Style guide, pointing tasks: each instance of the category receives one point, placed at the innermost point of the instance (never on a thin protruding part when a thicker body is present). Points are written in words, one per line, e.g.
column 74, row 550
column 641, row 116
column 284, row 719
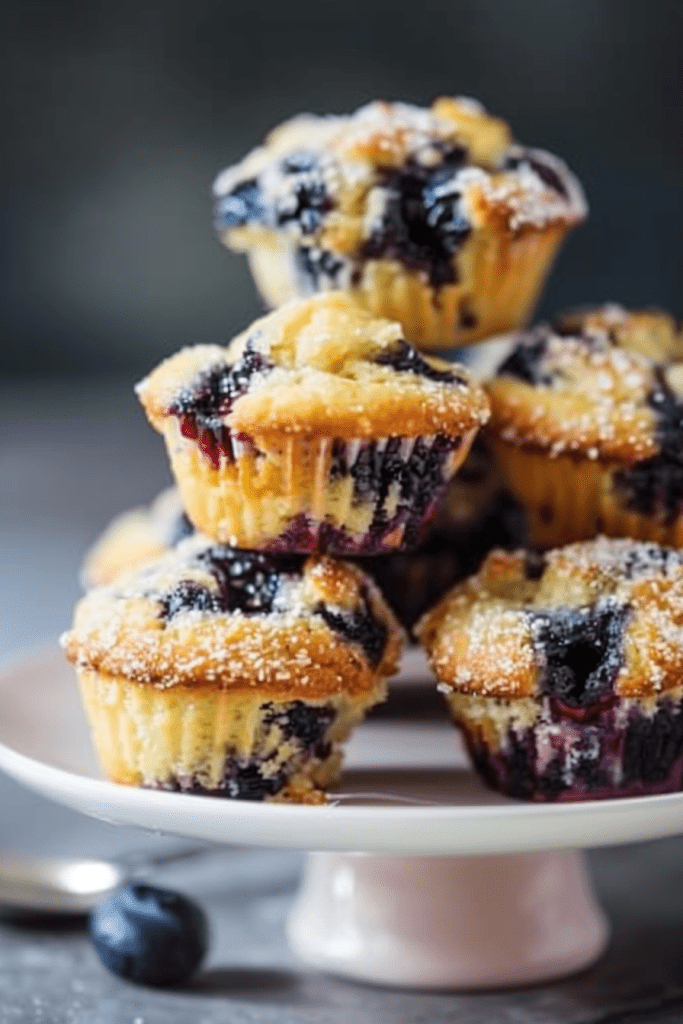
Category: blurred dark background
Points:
column 121, row 112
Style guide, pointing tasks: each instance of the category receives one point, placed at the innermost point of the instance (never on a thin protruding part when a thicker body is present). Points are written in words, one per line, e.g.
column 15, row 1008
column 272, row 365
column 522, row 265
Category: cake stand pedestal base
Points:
column 448, row 922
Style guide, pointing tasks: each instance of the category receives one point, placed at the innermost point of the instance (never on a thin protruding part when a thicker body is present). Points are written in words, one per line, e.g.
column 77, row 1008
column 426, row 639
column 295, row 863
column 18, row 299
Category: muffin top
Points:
column 602, row 383
column 208, row 615
column 582, row 624
column 392, row 181
column 316, row 366
column 136, row 536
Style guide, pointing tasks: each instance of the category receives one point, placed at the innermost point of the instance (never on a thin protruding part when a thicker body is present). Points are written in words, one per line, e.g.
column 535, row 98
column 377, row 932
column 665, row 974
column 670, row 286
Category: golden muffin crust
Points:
column 652, row 332
column 593, row 385
column 208, row 616
column 352, row 151
column 318, row 366
column 385, row 135
column 610, row 609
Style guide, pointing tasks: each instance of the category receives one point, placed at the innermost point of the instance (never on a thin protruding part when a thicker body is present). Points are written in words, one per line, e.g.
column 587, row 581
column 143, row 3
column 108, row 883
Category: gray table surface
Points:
column 72, row 453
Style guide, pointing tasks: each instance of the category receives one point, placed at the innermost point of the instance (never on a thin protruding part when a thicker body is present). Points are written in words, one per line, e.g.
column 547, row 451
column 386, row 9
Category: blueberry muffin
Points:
column 565, row 670
column 433, row 217
column 136, row 536
column 318, row 429
column 231, row 673
column 587, row 423
column 478, row 513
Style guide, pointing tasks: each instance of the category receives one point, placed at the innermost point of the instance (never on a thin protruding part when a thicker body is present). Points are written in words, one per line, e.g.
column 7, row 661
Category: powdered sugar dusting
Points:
column 346, row 159
column 485, row 637
column 241, row 638
column 584, row 393
column 319, row 365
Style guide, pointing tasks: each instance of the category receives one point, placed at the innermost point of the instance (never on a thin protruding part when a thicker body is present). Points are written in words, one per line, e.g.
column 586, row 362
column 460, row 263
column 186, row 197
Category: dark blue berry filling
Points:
column 580, row 650
column 545, row 171
column 424, row 223
column 339, row 467
column 607, row 759
column 526, row 359
column 304, row 534
column 420, row 478
column 525, row 362
column 406, row 359
column 358, row 626
column 653, row 745
column 244, row 205
column 189, row 596
column 202, row 407
column 318, row 266
column 252, row 778
column 247, row 581
column 644, row 559
column 306, row 200
column 212, row 395
column 306, row 723
column 303, row 201
column 654, row 487
column 535, row 564
column 422, row 482
column 375, row 468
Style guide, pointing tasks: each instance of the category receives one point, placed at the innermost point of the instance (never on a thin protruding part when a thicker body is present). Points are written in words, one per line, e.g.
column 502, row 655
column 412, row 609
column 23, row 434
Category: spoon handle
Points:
column 141, row 860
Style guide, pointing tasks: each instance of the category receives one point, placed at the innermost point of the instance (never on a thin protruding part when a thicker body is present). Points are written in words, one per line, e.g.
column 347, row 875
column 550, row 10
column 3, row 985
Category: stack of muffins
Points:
column 223, row 647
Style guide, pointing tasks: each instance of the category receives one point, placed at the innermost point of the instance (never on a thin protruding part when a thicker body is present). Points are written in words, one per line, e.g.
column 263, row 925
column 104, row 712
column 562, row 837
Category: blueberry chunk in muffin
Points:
column 565, row 670
column 477, row 514
column 235, row 673
column 318, row 429
column 433, row 217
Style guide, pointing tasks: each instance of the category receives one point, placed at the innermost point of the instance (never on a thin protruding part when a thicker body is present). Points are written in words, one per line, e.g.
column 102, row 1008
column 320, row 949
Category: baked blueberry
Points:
column 408, row 359
column 526, row 359
column 318, row 267
column 244, row 205
column 477, row 515
column 424, row 222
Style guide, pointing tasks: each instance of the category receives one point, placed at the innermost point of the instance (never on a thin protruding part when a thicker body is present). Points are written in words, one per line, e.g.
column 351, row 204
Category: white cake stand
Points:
column 423, row 878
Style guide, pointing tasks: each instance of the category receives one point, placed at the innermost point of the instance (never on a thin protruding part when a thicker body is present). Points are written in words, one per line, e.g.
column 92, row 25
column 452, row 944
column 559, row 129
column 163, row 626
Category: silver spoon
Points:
column 67, row 886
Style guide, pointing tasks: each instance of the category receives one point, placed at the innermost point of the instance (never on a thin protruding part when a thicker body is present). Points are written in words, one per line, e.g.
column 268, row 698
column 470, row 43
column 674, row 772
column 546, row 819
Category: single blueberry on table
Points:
column 150, row 936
